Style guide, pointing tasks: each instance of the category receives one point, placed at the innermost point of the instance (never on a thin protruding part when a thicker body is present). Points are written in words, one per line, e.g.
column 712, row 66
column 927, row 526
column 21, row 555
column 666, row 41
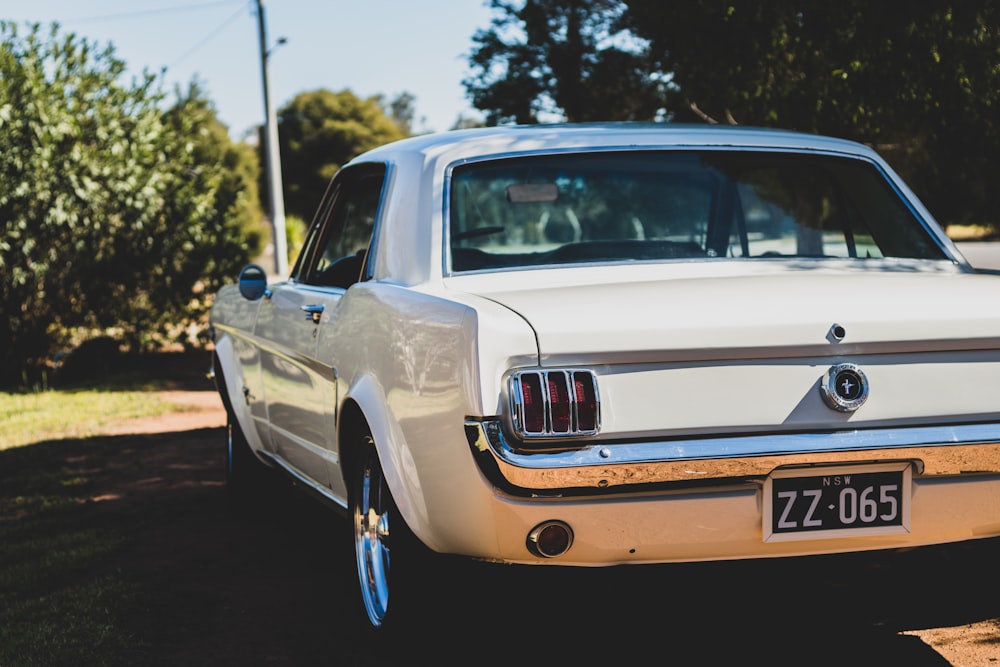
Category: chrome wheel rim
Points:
column 371, row 533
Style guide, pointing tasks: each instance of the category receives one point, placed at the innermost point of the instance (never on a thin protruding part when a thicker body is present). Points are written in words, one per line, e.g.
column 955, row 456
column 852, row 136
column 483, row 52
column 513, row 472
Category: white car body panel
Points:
column 739, row 334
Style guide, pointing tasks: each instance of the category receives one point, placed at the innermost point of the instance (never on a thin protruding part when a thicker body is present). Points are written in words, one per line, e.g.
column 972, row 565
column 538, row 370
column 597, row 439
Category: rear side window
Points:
column 339, row 241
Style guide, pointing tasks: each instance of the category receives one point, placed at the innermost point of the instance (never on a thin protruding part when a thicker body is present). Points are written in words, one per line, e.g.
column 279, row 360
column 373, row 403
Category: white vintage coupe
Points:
column 619, row 343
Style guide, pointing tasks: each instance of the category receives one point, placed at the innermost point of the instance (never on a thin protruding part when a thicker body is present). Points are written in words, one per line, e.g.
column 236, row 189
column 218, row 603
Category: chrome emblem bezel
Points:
column 844, row 387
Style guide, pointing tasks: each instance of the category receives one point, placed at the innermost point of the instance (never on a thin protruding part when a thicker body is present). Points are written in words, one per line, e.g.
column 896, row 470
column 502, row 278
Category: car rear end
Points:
column 775, row 438
column 742, row 352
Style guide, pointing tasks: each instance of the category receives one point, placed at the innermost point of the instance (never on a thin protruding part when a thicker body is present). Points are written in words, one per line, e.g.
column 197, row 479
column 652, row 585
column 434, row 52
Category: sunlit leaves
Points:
column 115, row 206
column 318, row 131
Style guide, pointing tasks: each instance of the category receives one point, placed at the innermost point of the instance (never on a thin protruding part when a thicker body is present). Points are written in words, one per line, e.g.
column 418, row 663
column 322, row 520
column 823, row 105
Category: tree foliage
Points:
column 560, row 57
column 114, row 214
column 402, row 110
column 918, row 81
column 321, row 130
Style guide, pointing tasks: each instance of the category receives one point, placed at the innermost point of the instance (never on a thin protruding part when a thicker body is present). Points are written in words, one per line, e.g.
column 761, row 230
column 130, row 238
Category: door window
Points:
column 344, row 229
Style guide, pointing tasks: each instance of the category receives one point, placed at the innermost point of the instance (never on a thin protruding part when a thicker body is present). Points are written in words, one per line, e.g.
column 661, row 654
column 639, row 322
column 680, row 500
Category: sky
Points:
column 371, row 47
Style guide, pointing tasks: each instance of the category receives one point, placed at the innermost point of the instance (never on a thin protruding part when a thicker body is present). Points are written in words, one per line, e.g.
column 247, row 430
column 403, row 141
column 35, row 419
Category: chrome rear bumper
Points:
column 961, row 449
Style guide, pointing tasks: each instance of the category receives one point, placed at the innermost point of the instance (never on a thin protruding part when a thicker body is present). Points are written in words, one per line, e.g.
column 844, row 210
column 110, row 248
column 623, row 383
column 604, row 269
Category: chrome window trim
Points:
column 374, row 244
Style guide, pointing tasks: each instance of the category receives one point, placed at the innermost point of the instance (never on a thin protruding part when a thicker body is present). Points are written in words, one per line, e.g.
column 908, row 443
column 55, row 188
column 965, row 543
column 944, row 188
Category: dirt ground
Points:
column 274, row 585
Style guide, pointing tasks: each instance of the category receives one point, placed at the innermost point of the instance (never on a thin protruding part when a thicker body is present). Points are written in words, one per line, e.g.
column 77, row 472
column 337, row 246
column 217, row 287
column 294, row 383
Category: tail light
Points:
column 556, row 403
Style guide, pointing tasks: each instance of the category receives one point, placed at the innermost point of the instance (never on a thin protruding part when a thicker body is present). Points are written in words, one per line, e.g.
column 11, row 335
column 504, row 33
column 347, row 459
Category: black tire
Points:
column 394, row 568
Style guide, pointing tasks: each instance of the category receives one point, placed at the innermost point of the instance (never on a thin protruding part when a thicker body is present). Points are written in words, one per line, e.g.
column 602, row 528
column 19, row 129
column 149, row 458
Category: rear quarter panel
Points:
column 413, row 362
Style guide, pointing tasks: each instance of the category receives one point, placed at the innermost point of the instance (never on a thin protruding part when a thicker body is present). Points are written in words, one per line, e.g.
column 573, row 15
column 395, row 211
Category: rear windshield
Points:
column 657, row 205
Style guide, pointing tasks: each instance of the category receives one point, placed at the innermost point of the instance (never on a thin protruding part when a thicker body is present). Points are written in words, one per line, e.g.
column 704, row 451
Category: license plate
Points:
column 837, row 501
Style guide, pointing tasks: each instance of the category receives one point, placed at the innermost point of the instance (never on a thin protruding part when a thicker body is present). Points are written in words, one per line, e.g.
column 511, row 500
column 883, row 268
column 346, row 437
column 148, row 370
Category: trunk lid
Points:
column 745, row 347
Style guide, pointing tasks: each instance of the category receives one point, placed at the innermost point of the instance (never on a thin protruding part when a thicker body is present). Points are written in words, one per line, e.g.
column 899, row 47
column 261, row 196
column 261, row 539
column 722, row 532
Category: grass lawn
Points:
column 61, row 603
column 58, row 414
column 88, row 409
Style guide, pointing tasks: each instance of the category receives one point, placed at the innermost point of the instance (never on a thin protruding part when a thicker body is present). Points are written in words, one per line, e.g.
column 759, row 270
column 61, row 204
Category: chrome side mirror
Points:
column 253, row 282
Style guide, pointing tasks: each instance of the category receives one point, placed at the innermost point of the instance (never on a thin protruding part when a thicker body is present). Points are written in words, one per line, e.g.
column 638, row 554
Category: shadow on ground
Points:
column 273, row 584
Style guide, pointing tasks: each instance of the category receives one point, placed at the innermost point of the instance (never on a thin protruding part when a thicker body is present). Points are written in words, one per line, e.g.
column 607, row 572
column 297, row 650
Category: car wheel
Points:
column 387, row 552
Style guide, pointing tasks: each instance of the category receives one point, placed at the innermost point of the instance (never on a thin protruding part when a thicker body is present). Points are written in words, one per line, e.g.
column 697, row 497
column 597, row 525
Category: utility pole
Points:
column 272, row 160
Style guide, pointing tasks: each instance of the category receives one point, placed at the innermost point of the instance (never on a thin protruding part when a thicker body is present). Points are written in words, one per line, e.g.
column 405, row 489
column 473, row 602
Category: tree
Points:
column 216, row 203
column 114, row 214
column 920, row 82
column 560, row 58
column 319, row 131
column 402, row 110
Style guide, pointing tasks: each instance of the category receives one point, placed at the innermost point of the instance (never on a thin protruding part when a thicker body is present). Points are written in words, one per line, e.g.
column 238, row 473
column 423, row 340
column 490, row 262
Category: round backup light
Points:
column 550, row 539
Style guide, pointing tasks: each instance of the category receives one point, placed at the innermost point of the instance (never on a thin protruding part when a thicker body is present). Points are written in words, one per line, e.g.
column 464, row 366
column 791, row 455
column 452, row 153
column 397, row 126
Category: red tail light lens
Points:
column 533, row 413
column 557, row 403
column 586, row 401
column 559, row 400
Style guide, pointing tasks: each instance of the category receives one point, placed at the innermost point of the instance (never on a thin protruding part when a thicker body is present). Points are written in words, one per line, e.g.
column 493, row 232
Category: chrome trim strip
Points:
column 936, row 450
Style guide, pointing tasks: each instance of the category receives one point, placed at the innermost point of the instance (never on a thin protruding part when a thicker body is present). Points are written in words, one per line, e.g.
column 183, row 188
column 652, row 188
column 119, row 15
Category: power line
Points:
column 147, row 13
column 152, row 12
column 209, row 37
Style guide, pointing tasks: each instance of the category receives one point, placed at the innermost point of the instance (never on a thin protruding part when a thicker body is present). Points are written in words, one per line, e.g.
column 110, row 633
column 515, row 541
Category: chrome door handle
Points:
column 314, row 312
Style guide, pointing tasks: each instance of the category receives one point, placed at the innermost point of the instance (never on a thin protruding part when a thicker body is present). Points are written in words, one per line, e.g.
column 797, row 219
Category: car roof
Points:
column 476, row 142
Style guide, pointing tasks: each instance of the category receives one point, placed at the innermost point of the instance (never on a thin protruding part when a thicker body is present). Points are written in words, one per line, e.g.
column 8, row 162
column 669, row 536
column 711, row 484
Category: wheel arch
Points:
column 226, row 375
column 219, row 375
column 223, row 371
column 365, row 411
column 352, row 427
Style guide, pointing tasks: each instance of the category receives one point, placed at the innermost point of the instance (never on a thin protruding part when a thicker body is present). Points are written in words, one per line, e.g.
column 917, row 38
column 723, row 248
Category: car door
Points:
column 300, row 391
